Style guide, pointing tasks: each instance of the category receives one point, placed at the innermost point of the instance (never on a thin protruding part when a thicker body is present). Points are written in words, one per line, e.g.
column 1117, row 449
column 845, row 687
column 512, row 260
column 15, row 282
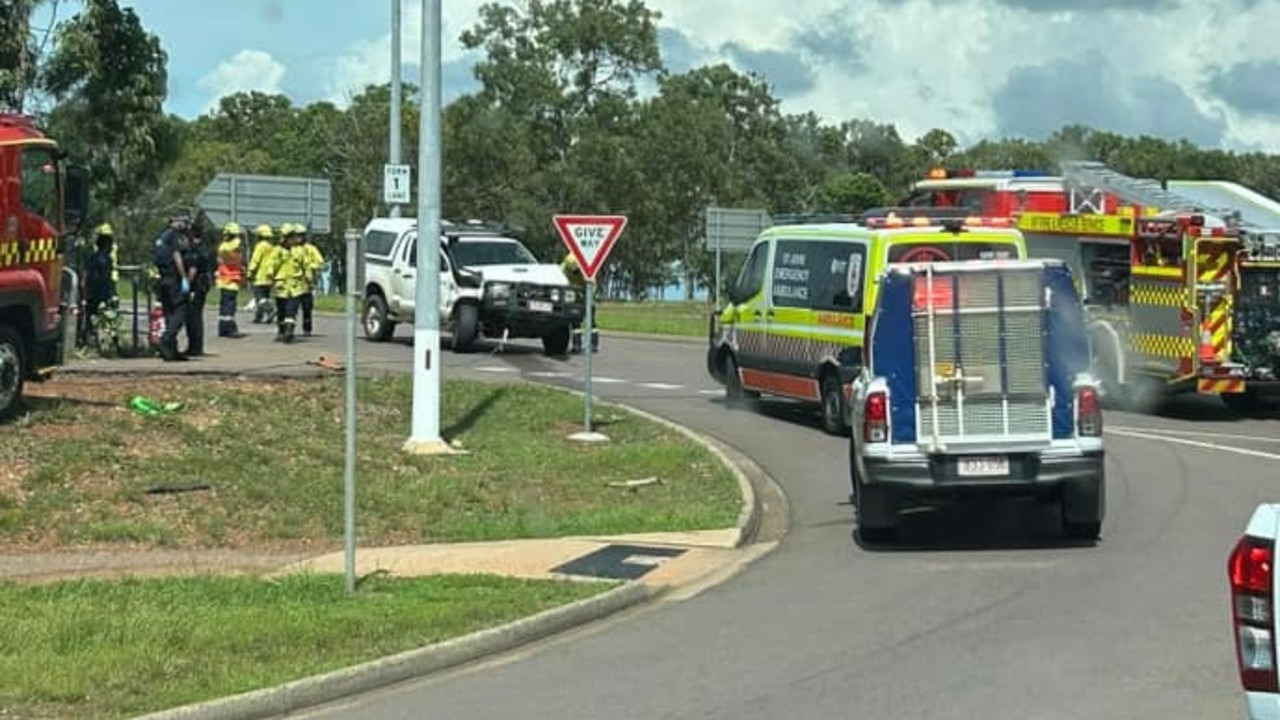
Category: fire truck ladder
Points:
column 1088, row 181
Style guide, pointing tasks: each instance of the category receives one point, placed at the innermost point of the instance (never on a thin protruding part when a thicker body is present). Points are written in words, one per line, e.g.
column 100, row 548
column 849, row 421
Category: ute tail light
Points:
column 1252, row 611
column 875, row 418
column 1088, row 413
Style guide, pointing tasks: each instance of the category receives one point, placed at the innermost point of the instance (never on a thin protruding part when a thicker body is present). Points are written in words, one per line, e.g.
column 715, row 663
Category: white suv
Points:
column 490, row 286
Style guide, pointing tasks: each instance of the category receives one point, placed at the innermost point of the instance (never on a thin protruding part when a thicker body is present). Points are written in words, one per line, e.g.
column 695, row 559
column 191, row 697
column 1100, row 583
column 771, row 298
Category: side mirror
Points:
column 76, row 200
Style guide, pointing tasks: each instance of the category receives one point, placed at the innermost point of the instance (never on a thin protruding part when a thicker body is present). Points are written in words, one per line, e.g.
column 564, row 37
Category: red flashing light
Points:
column 875, row 418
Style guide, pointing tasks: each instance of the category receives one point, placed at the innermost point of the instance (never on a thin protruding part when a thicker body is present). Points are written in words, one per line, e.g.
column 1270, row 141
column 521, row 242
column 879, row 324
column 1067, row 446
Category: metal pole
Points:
column 396, row 101
column 589, row 349
column 425, row 436
column 349, row 464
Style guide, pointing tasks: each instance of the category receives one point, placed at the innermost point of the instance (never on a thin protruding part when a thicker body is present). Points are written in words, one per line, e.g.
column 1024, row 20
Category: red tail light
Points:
column 1252, row 605
column 1088, row 413
column 875, row 418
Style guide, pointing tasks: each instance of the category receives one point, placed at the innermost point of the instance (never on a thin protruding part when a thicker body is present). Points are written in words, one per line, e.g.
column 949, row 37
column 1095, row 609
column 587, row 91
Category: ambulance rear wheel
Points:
column 833, row 405
column 734, row 394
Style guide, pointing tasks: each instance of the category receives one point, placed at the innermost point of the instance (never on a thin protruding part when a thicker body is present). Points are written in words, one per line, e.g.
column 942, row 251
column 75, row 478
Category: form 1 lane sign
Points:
column 590, row 238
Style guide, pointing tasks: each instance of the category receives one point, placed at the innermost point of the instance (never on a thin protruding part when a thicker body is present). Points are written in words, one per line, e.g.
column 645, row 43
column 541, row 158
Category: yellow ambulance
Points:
column 794, row 324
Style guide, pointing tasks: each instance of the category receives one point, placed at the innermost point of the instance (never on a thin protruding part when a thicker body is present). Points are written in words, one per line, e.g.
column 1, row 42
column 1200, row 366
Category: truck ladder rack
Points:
column 1088, row 179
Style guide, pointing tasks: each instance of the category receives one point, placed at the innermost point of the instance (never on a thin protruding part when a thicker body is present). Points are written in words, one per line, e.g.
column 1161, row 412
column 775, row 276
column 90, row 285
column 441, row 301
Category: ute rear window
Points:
column 918, row 252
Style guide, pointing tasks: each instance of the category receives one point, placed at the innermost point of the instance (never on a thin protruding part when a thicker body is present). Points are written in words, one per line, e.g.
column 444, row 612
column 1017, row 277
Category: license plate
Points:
column 540, row 306
column 983, row 466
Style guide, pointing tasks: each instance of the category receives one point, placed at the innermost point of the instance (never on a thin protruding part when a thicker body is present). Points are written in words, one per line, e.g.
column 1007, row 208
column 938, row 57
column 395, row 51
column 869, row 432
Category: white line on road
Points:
column 1196, row 443
column 607, row 380
column 717, row 391
column 495, row 369
column 1197, row 433
column 660, row 386
column 548, row 374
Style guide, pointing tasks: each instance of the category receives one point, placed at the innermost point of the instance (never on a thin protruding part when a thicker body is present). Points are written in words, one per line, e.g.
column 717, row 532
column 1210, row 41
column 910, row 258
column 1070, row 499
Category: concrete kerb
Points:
column 367, row 677
column 374, row 675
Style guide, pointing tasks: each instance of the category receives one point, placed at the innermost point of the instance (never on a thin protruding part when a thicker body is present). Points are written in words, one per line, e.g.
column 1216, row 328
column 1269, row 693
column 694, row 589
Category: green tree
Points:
column 852, row 193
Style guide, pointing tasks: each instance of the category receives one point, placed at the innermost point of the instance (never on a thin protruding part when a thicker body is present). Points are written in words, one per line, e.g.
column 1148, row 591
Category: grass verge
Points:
column 119, row 648
column 85, row 470
column 684, row 319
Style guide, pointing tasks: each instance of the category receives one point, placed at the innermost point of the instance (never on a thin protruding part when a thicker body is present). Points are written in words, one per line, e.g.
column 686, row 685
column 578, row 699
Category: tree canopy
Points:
column 576, row 112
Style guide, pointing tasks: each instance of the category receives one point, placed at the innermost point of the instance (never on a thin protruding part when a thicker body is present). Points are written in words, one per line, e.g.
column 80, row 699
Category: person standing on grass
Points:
column 230, row 278
column 579, row 283
column 260, row 265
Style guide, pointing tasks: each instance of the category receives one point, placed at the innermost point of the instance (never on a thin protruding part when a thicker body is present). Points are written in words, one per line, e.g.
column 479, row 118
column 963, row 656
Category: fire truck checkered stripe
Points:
column 38, row 251
column 1165, row 295
column 9, row 253
column 1163, row 346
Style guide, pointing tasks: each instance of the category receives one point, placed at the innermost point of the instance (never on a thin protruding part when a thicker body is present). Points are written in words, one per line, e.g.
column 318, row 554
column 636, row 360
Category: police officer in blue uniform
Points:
column 174, row 286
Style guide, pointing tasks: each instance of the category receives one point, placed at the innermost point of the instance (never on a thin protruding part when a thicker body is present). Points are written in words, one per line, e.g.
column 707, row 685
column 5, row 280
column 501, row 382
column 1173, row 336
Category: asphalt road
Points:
column 981, row 612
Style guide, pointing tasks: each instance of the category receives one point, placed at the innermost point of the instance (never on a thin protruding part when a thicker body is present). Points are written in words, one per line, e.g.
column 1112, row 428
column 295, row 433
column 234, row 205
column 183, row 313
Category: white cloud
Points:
column 368, row 62
column 921, row 64
column 245, row 71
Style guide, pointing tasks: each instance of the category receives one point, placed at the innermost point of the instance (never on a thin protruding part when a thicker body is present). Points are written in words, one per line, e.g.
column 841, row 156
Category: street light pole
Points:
column 396, row 90
column 425, row 437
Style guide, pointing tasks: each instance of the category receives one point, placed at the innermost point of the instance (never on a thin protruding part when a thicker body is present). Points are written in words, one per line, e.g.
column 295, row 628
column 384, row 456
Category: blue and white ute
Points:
column 977, row 381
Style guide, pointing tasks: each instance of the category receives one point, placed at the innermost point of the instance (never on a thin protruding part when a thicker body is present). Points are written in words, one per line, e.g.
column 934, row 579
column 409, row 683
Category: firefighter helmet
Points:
column 265, row 231
column 231, row 229
column 105, row 230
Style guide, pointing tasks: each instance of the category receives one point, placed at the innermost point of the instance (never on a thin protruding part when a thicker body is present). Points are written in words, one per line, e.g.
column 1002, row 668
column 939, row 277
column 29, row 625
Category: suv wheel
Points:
column 466, row 328
column 557, row 343
column 377, row 326
column 13, row 371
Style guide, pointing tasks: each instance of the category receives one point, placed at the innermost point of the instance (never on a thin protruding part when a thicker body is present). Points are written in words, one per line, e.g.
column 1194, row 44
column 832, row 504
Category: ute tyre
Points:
column 466, row 328
column 13, row 371
column 1085, row 531
column 874, row 507
column 1083, row 506
column 377, row 323
column 833, row 406
column 557, row 343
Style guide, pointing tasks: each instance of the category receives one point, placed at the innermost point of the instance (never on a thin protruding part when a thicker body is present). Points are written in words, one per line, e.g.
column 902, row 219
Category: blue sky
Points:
column 979, row 68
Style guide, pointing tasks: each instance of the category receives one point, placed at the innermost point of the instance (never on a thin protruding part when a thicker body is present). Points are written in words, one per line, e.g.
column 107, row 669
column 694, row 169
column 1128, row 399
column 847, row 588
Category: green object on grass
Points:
column 144, row 405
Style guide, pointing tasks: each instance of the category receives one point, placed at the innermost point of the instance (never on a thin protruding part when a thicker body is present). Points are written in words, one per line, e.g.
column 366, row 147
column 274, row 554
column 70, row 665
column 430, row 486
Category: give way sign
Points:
column 590, row 238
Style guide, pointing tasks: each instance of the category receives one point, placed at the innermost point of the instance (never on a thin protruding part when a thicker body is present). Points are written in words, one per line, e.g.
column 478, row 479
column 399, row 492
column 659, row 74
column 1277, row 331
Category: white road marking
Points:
column 660, row 386
column 495, row 369
column 548, row 374
column 607, row 380
column 1196, row 444
column 712, row 392
column 1196, row 433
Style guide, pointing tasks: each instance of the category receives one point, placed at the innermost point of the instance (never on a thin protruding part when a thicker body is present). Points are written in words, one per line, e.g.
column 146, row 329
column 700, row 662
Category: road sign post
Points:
column 589, row 239
column 396, row 181
column 355, row 286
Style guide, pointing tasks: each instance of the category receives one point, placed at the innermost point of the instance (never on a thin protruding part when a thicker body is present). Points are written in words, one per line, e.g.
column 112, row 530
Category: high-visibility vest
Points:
column 230, row 265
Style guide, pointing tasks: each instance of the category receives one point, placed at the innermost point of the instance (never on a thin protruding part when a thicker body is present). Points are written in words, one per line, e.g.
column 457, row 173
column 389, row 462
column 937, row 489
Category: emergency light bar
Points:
column 894, row 221
column 945, row 174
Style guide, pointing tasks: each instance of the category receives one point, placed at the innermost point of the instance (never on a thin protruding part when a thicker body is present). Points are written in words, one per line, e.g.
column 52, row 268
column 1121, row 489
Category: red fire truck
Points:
column 43, row 199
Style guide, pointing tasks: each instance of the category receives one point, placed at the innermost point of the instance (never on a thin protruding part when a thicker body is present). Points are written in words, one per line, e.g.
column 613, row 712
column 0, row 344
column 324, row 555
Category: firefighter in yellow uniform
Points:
column 230, row 277
column 260, row 267
column 313, row 262
column 288, row 282
column 569, row 266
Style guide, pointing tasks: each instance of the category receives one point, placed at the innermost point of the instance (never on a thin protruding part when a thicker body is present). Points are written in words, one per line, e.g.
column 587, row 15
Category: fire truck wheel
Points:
column 13, row 370
column 1243, row 404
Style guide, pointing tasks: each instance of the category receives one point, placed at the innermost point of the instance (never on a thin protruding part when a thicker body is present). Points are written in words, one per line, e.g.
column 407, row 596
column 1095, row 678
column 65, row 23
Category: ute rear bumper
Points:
column 1029, row 472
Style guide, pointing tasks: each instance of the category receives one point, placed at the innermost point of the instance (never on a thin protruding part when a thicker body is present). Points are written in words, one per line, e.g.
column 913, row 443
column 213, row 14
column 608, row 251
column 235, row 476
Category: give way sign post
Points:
column 589, row 238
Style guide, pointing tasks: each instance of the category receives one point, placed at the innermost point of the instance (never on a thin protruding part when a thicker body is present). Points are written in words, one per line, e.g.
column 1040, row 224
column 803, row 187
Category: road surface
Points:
column 980, row 613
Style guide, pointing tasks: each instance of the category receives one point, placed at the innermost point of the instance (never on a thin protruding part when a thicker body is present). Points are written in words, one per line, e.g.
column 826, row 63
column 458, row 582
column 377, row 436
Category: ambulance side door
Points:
column 750, row 303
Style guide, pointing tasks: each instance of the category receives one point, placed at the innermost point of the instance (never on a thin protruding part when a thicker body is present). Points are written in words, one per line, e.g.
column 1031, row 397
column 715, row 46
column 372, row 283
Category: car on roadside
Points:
column 977, row 383
column 491, row 286
column 1252, row 579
